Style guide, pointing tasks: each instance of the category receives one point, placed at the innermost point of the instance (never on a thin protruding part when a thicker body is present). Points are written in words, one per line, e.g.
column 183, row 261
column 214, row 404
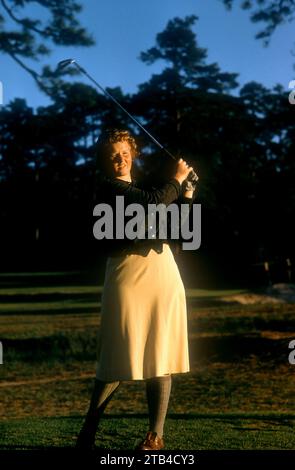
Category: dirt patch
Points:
column 275, row 294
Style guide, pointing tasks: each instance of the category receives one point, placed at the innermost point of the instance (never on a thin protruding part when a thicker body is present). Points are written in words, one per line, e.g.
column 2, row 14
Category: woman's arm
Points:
column 166, row 194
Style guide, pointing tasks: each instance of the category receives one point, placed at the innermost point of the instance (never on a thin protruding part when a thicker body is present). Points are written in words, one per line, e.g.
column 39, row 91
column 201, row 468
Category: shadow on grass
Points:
column 51, row 297
column 116, row 428
column 227, row 348
column 54, row 311
column 266, row 416
column 233, row 348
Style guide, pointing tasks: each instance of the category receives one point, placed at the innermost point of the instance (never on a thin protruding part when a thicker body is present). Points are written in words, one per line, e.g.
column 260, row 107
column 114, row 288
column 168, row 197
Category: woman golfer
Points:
column 143, row 331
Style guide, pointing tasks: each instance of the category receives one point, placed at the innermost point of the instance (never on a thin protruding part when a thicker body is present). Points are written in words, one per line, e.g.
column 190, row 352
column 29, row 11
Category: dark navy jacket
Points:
column 109, row 188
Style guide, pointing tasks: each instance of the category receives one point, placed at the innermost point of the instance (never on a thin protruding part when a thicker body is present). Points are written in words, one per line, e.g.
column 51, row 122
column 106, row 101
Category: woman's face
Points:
column 121, row 159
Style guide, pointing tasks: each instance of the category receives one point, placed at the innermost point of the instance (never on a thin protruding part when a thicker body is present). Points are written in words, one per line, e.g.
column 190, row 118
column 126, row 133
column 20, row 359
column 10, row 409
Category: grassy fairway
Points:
column 238, row 394
column 186, row 432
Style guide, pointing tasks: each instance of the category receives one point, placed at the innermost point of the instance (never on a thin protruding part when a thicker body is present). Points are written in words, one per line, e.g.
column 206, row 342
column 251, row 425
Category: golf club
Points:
column 65, row 63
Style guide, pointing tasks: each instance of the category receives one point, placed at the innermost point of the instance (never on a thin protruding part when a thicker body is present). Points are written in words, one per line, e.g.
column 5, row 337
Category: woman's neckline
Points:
column 124, row 181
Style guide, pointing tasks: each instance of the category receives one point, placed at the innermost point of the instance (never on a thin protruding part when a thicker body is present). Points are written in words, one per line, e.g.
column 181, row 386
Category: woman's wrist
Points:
column 180, row 179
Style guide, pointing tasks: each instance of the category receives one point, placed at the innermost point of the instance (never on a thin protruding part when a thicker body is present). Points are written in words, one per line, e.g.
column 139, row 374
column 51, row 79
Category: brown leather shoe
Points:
column 151, row 442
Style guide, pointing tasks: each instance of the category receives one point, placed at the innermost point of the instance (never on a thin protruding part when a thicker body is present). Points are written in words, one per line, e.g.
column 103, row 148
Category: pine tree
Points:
column 23, row 37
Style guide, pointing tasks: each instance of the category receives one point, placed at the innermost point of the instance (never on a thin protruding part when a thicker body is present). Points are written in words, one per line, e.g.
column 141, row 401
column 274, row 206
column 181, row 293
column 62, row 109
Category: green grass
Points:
column 48, row 290
column 37, row 274
column 192, row 432
column 238, row 394
column 199, row 293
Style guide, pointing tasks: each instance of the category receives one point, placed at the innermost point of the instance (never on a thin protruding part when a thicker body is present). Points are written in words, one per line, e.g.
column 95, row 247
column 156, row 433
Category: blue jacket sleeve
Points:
column 166, row 194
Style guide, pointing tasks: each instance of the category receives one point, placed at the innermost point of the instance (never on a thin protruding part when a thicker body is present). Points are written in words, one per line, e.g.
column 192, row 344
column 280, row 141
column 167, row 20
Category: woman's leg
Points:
column 158, row 394
column 101, row 395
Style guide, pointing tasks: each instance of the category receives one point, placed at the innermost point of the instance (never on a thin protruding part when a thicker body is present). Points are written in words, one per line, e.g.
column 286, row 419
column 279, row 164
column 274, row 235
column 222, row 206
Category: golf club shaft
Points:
column 67, row 62
column 123, row 109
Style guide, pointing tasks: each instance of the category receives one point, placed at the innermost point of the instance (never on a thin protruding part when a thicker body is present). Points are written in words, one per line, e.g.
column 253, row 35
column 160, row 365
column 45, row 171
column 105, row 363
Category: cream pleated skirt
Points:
column 143, row 330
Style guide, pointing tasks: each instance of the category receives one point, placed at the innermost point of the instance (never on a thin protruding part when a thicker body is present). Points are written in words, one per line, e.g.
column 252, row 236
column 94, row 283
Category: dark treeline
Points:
column 241, row 146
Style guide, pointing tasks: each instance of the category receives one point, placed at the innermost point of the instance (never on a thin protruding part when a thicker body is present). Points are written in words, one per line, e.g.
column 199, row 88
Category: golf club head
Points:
column 64, row 63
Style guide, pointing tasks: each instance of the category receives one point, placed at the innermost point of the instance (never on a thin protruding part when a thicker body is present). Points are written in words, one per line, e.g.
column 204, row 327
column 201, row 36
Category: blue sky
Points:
column 122, row 29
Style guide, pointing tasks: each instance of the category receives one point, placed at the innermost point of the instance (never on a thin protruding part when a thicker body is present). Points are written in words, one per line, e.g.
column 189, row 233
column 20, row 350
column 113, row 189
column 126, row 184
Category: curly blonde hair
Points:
column 112, row 136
